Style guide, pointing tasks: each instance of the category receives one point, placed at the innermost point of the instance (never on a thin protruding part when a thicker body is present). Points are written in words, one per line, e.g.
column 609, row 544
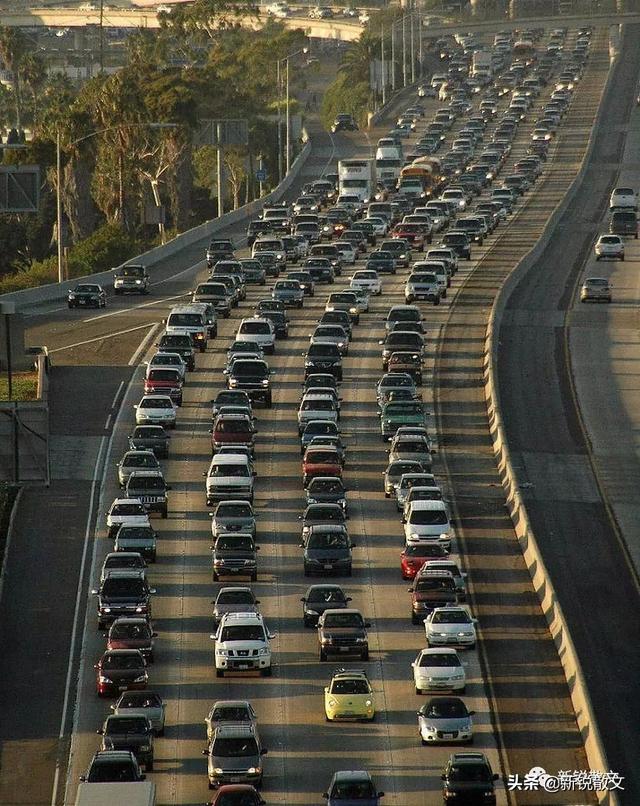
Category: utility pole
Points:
column 219, row 171
column 384, row 83
column 279, row 95
column 420, row 42
column 288, row 140
column 404, row 51
column 59, row 208
column 101, row 36
column 393, row 57
column 413, row 50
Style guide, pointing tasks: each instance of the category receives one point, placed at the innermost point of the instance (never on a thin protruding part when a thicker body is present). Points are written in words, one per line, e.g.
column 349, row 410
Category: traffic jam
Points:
column 382, row 239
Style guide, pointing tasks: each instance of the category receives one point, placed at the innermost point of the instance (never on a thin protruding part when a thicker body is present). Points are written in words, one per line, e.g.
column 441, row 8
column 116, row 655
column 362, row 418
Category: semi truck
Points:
column 138, row 793
column 357, row 177
column 481, row 65
column 388, row 164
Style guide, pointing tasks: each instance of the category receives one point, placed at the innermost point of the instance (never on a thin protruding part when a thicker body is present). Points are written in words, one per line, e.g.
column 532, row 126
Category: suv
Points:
column 432, row 588
column 124, row 592
column 149, row 487
column 230, row 475
column 132, row 278
column 113, row 766
column 253, row 376
column 242, row 644
column 342, row 632
column 344, row 122
column 129, row 732
column 323, row 357
column 179, row 343
column 468, row 778
column 235, row 554
column 327, row 550
column 624, row 222
column 235, row 755
column 219, row 249
column 216, row 294
column 188, row 321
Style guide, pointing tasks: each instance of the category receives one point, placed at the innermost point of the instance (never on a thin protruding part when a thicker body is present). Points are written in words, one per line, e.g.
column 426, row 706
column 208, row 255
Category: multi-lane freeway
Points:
column 524, row 715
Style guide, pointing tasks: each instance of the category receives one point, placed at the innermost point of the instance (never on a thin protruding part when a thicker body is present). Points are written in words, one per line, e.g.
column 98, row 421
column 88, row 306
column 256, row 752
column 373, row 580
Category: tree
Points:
column 235, row 169
column 207, row 17
column 34, row 75
column 359, row 56
column 12, row 49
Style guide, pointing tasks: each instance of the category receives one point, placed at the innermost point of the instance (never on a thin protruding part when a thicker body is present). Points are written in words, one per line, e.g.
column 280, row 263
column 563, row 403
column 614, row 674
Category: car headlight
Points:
column 140, row 678
column 333, row 702
column 368, row 703
column 138, row 282
column 106, row 609
column 264, row 651
column 104, row 679
column 325, row 640
column 414, row 536
column 145, row 747
column 71, row 295
column 458, row 677
column 233, row 382
column 254, row 770
column 223, row 653
column 217, row 770
column 360, row 640
column 219, row 561
column 430, row 728
column 353, row 310
column 403, row 255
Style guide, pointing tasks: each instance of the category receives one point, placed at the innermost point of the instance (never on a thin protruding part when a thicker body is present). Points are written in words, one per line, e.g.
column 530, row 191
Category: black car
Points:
column 87, row 295
column 468, row 778
column 344, row 123
column 124, row 592
column 235, row 554
column 150, row 488
column 181, row 344
column 253, row 271
column 343, row 632
column 327, row 490
column 140, row 539
column 327, row 550
column 150, row 438
column 229, row 397
column 341, row 318
column 319, row 380
column 252, row 376
column 321, row 357
column 319, row 598
column 133, row 733
column 113, row 766
column 320, row 269
column 279, row 321
column 120, row 670
column 458, row 241
column 219, row 249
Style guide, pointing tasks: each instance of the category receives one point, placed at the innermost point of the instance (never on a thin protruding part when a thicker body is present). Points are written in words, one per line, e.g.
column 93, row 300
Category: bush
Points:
column 108, row 246
column 345, row 95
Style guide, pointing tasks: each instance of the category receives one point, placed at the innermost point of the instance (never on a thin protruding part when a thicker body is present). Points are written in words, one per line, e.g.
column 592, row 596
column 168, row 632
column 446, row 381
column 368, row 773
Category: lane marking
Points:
column 143, row 344
column 121, row 311
column 76, row 614
column 99, row 338
column 107, row 423
column 117, row 394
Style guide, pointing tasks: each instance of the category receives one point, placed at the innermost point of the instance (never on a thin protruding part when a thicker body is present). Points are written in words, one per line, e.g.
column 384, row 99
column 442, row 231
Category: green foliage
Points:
column 108, row 246
column 348, row 96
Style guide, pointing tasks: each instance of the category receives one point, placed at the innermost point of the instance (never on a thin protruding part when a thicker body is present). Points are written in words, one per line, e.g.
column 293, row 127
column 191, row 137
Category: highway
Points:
column 525, row 706
column 595, row 583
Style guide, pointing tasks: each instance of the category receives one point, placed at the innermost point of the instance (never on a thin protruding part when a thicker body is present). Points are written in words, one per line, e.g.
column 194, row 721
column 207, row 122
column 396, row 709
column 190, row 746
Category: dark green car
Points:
column 399, row 413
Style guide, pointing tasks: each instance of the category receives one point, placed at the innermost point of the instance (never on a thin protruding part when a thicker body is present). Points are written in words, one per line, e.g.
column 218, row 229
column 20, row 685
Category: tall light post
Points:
column 285, row 59
column 59, row 176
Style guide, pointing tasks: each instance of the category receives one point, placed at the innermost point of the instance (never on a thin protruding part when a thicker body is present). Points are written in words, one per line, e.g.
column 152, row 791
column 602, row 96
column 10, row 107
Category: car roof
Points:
column 415, row 505
column 234, row 730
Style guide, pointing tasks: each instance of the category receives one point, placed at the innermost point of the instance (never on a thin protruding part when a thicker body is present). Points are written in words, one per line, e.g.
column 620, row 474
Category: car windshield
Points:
column 439, row 659
column 425, row 551
column 232, row 426
column 325, row 486
column 328, row 428
column 118, row 772
column 137, row 482
column 123, row 587
column 232, row 747
column 185, row 320
column 445, row 709
column 595, row 281
column 231, row 713
column 211, row 289
column 326, row 595
column 428, row 517
column 130, row 724
column 349, row 687
column 252, row 369
column 255, row 327
column 237, row 470
column 451, row 617
column 128, row 509
column 343, row 620
column 403, row 408
column 140, row 460
column 122, row 662
column 233, row 510
column 319, row 349
column 135, row 533
column 317, row 405
column 327, row 540
column 87, row 289
column 470, row 773
column 140, row 699
column 234, row 543
column 132, row 271
column 398, row 469
column 242, row 632
column 133, row 631
column 235, row 597
column 155, row 403
column 353, row 790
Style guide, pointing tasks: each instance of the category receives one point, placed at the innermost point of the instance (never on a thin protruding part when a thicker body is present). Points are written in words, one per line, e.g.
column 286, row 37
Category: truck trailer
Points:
column 357, row 177
column 138, row 793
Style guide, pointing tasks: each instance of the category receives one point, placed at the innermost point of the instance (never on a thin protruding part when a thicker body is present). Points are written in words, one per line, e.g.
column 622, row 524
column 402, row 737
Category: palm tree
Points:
column 34, row 74
column 359, row 56
column 12, row 50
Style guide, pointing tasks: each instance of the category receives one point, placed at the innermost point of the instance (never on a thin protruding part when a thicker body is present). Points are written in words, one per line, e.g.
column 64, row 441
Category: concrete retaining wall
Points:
column 58, row 291
column 533, row 557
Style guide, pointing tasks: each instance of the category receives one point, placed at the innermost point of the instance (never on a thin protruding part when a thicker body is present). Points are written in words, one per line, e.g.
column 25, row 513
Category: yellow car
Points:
column 349, row 696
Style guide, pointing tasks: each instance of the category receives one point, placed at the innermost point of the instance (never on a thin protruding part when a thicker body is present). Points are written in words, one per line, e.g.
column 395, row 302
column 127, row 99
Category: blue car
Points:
column 352, row 788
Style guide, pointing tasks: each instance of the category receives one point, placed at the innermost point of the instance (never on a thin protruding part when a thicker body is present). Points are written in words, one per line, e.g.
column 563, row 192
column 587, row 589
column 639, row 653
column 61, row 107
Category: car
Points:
column 413, row 558
column 427, row 521
column 322, row 515
column 316, row 405
column 126, row 511
column 319, row 598
column 235, row 794
column 242, row 644
column 130, row 278
column 327, row 550
column 352, row 786
column 234, row 755
column 289, row 291
column 451, row 625
column 326, row 490
column 331, row 334
column 142, row 540
column 317, row 428
column 323, row 357
column 609, row 246
column 367, row 279
column 150, row 488
column 229, row 712
column 398, row 413
column 623, row 198
column 306, row 282
column 260, row 330
column 417, row 448
column 219, row 249
column 233, row 516
column 438, row 669
column 132, row 732
column 117, row 560
column 156, row 410
column 113, row 766
column 235, row 599
column 86, row 295
column 433, row 587
column 167, row 361
column 135, row 460
column 624, row 222
column 321, row 460
column 349, row 697
column 229, row 397
column 445, row 719
column 145, row 703
column 120, row 670
column 229, row 476
column 164, row 381
column 252, row 376
column 596, row 289
column 343, row 632
column 468, row 778
column 123, row 592
column 132, row 633
column 344, row 122
column 234, row 554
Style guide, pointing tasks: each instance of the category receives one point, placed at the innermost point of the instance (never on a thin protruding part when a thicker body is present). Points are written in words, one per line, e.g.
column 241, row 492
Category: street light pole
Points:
column 59, row 207
column 288, row 160
column 384, row 83
column 413, row 51
column 420, row 43
column 404, row 51
column 279, row 83
column 393, row 56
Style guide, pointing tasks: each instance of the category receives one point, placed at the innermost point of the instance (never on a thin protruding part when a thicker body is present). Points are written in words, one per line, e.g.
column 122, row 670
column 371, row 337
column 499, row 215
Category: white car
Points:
column 367, row 279
column 445, row 719
column 156, row 410
column 456, row 196
column 316, row 407
column 259, row 330
column 347, row 251
column 427, row 522
column 438, row 669
column 380, row 225
column 126, row 512
column 540, row 135
column 611, row 246
column 167, row 360
column 622, row 198
column 453, row 625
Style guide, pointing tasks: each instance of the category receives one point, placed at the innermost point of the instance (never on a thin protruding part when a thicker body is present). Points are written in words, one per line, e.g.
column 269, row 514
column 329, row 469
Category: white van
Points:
column 188, row 320
column 427, row 522
column 230, row 476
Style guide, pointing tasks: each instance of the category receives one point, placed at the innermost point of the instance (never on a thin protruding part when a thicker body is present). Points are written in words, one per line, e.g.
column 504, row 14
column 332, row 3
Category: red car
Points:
column 413, row 233
column 232, row 429
column 120, row 670
column 237, row 795
column 164, row 381
column 321, row 462
column 414, row 557
column 132, row 633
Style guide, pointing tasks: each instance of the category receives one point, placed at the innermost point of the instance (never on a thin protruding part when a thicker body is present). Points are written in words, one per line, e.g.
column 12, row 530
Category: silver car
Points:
column 233, row 516
column 135, row 460
column 142, row 703
column 234, row 599
column 445, row 719
column 395, row 471
column 234, row 711
column 596, row 289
